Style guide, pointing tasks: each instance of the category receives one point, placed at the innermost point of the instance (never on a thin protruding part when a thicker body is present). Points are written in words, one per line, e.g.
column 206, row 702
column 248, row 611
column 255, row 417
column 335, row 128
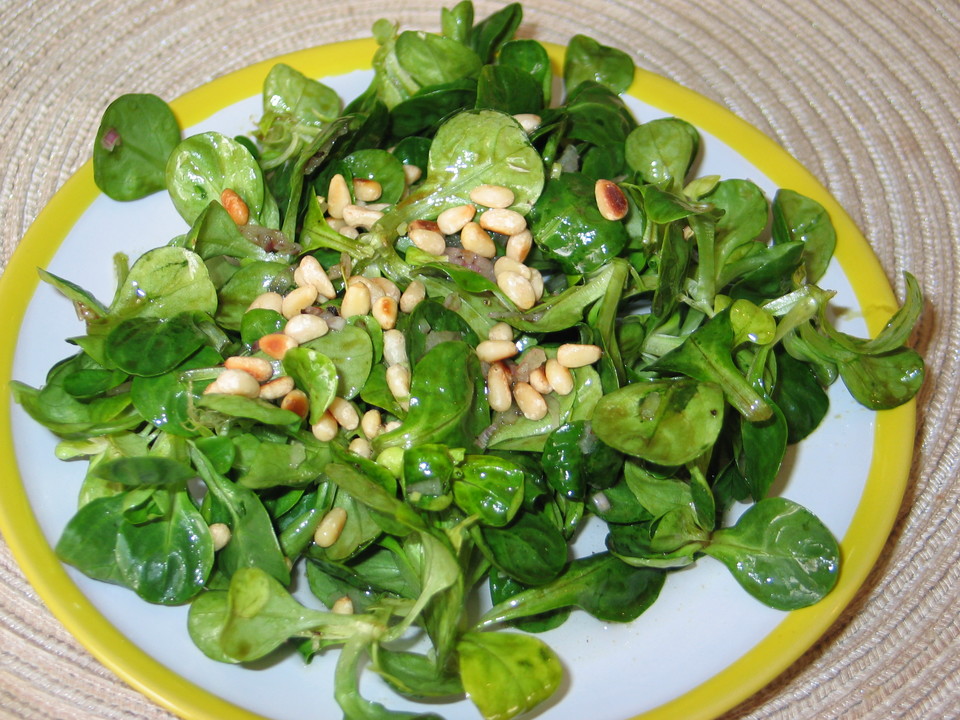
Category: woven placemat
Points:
column 863, row 93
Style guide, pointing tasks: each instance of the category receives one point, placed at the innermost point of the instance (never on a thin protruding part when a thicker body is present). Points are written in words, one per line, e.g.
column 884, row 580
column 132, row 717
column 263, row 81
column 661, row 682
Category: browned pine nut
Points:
column 260, row 369
column 428, row 240
column 235, row 206
column 423, row 225
column 338, row 196
column 267, row 301
column 412, row 296
column 492, row 196
column 330, row 527
column 519, row 245
column 611, row 201
column 296, row 401
column 276, row 345
column 366, row 190
column 305, row 327
column 276, row 388
column 452, row 220
column 573, row 355
column 503, row 221
column 530, row 402
column 356, row 301
column 559, row 377
column 490, row 351
column 477, row 240
column 298, row 300
column 385, row 311
column 518, row 289
column 499, row 395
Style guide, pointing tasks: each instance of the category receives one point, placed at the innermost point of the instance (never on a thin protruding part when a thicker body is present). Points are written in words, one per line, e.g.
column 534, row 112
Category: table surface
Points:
column 863, row 93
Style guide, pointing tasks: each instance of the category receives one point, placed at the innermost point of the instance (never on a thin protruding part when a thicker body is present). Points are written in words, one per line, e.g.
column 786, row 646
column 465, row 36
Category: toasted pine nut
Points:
column 298, row 300
column 371, row 423
column 572, row 355
column 492, row 196
column 345, row 413
column 235, row 206
column 220, row 534
column 518, row 246
column 490, row 351
column 276, row 345
column 528, row 121
column 508, row 264
column 366, row 190
column 411, row 173
column 276, row 388
column 356, row 301
column 361, row 446
column 326, row 428
column 559, row 377
column 475, row 239
column 398, row 381
column 260, row 369
column 338, row 196
column 343, row 606
column 394, row 348
column 539, row 382
column 423, row 225
column 385, row 311
column 234, row 382
column 330, row 527
column 305, row 327
column 611, row 201
column 387, row 287
column 518, row 289
column 311, row 272
column 452, row 220
column 503, row 221
column 359, row 216
column 530, row 402
column 296, row 401
column 500, row 331
column 412, row 296
column 267, row 301
column 499, row 395
column 428, row 241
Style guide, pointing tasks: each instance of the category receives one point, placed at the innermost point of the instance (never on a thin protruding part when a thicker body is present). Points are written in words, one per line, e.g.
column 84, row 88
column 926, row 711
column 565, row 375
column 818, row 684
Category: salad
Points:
column 409, row 347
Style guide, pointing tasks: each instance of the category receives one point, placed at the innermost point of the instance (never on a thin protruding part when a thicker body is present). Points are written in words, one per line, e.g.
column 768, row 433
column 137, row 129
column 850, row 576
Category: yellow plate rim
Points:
column 861, row 546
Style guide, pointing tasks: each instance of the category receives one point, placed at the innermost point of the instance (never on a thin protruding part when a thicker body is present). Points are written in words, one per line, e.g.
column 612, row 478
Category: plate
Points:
column 704, row 646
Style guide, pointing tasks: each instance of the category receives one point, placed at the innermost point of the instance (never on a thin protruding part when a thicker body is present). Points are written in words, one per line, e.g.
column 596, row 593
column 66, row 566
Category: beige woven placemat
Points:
column 862, row 93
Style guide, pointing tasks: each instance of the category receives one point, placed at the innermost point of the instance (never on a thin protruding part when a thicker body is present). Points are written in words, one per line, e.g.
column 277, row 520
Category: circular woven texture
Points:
column 862, row 93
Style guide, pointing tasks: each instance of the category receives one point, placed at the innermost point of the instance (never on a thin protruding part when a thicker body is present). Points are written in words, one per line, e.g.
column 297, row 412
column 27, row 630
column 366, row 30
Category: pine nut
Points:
column 276, row 388
column 330, row 527
column 536, row 282
column 428, row 241
column 260, row 369
column 326, row 428
column 387, row 286
column 490, row 351
column 366, row 190
column 499, row 395
column 503, row 221
column 412, row 296
column 220, row 534
column 559, row 377
column 267, row 301
column 452, row 220
column 611, row 201
column 305, row 327
column 276, row 345
column 538, row 380
column 361, row 446
column 234, row 382
column 528, row 121
column 376, row 292
column 343, row 606
column 500, row 331
column 518, row 289
column 394, row 348
column 508, row 264
column 338, row 196
column 235, row 206
column 371, row 423
column 391, row 426
column 335, row 223
column 492, row 196
column 530, row 402
column 572, row 355
column 344, row 413
column 477, row 240
column 311, row 272
column 385, row 311
column 360, row 216
column 356, row 301
column 298, row 300
column 518, row 246
column 411, row 173
column 349, row 231
column 296, row 401
column 398, row 381
column 423, row 225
